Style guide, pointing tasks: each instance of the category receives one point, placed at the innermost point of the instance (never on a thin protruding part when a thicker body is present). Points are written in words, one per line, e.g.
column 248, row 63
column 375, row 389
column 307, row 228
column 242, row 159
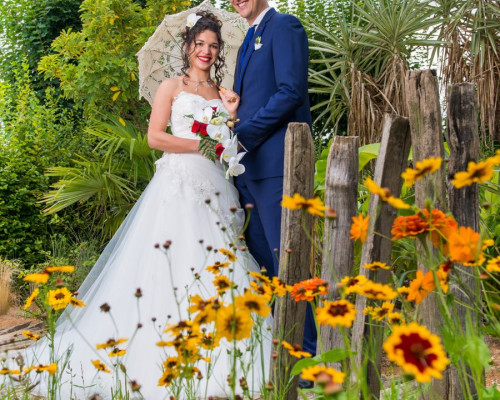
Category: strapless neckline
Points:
column 183, row 92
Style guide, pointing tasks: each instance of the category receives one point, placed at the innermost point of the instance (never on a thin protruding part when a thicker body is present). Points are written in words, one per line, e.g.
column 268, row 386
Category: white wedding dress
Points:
column 173, row 207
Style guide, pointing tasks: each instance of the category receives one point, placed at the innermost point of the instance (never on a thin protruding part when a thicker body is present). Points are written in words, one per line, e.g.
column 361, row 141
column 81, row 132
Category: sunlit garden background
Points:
column 74, row 159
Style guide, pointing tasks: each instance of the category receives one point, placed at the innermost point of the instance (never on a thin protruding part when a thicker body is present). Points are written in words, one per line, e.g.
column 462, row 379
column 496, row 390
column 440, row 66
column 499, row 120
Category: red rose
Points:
column 219, row 149
column 214, row 108
column 203, row 129
column 196, row 127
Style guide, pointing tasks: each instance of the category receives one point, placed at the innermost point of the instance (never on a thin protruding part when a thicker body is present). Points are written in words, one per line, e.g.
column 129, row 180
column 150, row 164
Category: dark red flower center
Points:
column 415, row 351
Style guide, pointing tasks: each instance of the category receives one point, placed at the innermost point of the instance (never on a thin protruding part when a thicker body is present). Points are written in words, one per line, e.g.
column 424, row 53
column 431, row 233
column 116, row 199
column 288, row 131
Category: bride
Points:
column 153, row 269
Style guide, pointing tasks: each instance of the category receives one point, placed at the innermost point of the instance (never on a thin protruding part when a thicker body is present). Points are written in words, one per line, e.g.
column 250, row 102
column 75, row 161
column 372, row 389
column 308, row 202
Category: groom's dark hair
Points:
column 207, row 22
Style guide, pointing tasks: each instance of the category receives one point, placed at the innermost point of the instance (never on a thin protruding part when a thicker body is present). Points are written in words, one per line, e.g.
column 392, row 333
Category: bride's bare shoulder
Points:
column 167, row 92
column 171, row 86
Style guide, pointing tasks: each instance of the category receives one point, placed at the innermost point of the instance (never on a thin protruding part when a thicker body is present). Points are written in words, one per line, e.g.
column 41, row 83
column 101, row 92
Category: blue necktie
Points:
column 245, row 45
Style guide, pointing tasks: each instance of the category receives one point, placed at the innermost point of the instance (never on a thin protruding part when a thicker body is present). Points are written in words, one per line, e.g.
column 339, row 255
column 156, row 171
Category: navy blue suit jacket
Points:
column 272, row 84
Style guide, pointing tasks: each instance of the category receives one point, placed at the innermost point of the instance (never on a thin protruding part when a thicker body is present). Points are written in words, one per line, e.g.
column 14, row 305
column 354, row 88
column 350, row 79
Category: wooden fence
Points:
column 423, row 131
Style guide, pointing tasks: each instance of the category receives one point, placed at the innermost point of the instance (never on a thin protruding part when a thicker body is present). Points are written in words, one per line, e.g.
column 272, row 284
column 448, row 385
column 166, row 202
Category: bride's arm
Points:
column 160, row 115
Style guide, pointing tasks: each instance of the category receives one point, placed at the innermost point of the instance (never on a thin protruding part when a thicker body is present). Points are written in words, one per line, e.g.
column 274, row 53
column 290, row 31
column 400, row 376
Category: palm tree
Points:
column 107, row 188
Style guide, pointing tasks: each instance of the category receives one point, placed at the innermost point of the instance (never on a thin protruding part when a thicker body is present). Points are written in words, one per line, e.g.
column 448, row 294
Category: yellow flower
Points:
column 336, row 313
column 222, row 283
column 100, row 366
column 295, row 351
column 312, row 373
column 359, row 227
column 493, row 265
column 309, row 289
column 233, row 325
column 32, row 297
column 385, row 195
column 217, row 267
column 422, row 168
column 51, row 368
column 417, row 351
column 59, row 298
column 421, row 286
column 229, row 254
column 312, row 206
column 110, row 343
column 476, row 173
column 6, row 371
column 169, row 375
column 31, row 335
column 404, row 292
column 443, row 273
column 395, row 318
column 251, row 302
column 352, row 284
column 37, row 278
column 209, row 341
column 376, row 265
column 66, row 268
column 116, row 352
column 379, row 313
column 279, row 288
column 77, row 303
column 376, row 291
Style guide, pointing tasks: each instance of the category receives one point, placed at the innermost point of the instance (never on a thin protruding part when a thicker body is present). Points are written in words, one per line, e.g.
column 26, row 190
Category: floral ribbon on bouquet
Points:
column 217, row 140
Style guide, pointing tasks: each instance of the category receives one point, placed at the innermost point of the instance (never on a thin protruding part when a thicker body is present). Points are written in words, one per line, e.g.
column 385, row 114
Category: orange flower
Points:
column 309, row 289
column 465, row 246
column 408, row 226
column 441, row 227
column 359, row 227
column 421, row 286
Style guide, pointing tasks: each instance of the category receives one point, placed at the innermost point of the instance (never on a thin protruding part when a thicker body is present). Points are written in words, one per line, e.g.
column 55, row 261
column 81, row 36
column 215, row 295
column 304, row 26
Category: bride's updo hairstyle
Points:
column 207, row 22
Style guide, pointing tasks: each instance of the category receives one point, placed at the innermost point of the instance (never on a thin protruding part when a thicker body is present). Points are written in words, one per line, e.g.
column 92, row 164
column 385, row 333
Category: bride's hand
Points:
column 230, row 100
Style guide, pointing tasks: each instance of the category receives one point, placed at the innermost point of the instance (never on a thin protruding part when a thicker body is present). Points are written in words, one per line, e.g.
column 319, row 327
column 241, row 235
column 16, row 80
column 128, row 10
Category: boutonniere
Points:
column 258, row 43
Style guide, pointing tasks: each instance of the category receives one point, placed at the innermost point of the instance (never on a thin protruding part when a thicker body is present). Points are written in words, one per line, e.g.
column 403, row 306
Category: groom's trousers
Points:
column 264, row 232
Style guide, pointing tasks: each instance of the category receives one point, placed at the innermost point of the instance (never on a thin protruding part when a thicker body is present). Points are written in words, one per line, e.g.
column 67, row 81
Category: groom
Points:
column 271, row 79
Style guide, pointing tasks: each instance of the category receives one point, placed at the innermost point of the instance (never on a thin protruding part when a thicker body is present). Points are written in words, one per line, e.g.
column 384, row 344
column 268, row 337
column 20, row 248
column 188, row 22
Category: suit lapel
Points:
column 251, row 49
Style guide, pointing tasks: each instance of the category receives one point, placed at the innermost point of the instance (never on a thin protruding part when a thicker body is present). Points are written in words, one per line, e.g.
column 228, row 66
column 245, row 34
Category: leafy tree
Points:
column 27, row 28
column 96, row 66
column 37, row 133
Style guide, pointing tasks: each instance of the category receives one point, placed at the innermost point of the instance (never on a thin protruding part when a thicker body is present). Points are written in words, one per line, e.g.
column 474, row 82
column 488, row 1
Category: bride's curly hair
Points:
column 210, row 22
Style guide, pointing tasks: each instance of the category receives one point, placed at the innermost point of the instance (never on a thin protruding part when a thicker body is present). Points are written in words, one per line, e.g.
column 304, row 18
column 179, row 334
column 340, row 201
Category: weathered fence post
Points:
column 295, row 251
column 427, row 141
column 341, row 194
column 463, row 140
column 391, row 162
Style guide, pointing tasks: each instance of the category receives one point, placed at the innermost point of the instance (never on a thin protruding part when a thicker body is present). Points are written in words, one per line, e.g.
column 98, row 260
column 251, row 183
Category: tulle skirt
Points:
column 191, row 204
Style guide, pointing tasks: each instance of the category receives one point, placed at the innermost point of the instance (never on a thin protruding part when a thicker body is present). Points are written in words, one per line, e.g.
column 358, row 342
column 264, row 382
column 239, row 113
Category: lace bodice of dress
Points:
column 186, row 103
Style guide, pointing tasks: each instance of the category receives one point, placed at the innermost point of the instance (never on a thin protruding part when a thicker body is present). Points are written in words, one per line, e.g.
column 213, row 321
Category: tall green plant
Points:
column 471, row 53
column 364, row 61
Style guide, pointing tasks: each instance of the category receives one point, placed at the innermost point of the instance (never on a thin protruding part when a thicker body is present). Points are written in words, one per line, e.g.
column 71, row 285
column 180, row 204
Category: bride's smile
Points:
column 204, row 51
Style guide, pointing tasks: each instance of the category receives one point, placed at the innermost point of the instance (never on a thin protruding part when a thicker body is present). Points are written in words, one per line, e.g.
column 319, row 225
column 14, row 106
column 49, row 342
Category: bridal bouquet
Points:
column 218, row 141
